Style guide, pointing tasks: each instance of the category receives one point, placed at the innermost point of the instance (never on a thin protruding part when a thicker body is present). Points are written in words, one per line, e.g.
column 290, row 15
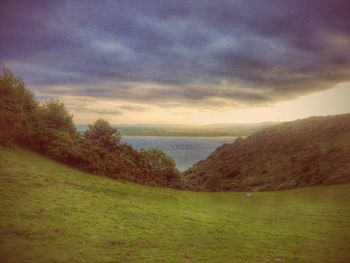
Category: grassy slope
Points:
column 51, row 213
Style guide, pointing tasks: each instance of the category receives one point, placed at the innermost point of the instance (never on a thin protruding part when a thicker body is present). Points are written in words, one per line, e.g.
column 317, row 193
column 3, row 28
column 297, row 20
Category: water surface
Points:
column 184, row 150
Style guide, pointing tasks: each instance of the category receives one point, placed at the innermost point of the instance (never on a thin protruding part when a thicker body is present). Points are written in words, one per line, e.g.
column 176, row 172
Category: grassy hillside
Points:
column 52, row 213
column 312, row 151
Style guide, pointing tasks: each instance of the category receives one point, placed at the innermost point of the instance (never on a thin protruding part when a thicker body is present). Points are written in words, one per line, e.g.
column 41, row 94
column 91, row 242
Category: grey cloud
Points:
column 186, row 48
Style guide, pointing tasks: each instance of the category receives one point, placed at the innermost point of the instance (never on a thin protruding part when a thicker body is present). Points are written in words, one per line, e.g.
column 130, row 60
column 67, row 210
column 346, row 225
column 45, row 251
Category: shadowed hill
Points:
column 312, row 151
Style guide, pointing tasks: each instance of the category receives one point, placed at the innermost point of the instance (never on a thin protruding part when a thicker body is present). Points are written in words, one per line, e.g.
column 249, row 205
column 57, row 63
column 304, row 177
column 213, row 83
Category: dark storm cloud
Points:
column 251, row 52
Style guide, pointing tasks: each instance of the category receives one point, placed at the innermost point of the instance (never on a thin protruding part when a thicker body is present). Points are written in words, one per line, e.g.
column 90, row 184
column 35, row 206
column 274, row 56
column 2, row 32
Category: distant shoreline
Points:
column 234, row 130
column 184, row 134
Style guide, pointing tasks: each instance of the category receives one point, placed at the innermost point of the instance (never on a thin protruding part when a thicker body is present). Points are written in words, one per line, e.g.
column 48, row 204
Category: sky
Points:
column 182, row 62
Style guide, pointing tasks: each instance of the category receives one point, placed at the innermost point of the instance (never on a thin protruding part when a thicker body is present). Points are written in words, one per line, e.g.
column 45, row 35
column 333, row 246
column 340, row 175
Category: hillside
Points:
column 52, row 213
column 312, row 151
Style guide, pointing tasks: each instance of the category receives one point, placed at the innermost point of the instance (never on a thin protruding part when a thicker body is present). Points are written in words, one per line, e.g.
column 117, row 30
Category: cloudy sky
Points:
column 182, row 62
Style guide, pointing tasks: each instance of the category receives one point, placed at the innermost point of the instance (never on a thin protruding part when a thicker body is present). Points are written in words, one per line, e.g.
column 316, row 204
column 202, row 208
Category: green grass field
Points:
column 52, row 213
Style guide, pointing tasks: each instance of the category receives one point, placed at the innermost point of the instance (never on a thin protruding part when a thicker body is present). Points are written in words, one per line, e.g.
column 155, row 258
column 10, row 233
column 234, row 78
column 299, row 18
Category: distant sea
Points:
column 184, row 150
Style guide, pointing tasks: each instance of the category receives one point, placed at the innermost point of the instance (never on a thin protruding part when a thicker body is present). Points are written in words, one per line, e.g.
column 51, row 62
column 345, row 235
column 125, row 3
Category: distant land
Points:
column 211, row 130
column 306, row 152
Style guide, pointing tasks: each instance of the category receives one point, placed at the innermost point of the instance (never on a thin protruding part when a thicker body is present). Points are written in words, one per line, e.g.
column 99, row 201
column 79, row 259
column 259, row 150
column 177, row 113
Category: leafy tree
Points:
column 53, row 132
column 157, row 159
column 161, row 167
column 16, row 106
column 54, row 115
column 104, row 134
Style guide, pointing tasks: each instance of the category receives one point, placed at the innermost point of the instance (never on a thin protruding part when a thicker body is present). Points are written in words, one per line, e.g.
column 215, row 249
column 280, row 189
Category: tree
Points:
column 53, row 132
column 161, row 168
column 157, row 159
column 104, row 134
column 54, row 115
column 17, row 104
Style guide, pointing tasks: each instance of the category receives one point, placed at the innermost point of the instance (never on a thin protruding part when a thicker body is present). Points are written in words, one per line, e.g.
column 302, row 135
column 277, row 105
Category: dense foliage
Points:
column 48, row 128
column 156, row 160
column 17, row 105
column 305, row 152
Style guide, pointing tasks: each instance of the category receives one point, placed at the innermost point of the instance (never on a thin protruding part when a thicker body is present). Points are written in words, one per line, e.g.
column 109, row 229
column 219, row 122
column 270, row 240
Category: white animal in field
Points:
column 248, row 194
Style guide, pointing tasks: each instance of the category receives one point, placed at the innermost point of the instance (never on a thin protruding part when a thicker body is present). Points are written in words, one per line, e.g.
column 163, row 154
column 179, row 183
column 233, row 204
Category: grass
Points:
column 52, row 213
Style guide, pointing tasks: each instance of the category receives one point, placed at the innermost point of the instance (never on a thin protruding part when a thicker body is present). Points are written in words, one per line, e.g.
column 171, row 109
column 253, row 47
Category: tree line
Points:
column 48, row 128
